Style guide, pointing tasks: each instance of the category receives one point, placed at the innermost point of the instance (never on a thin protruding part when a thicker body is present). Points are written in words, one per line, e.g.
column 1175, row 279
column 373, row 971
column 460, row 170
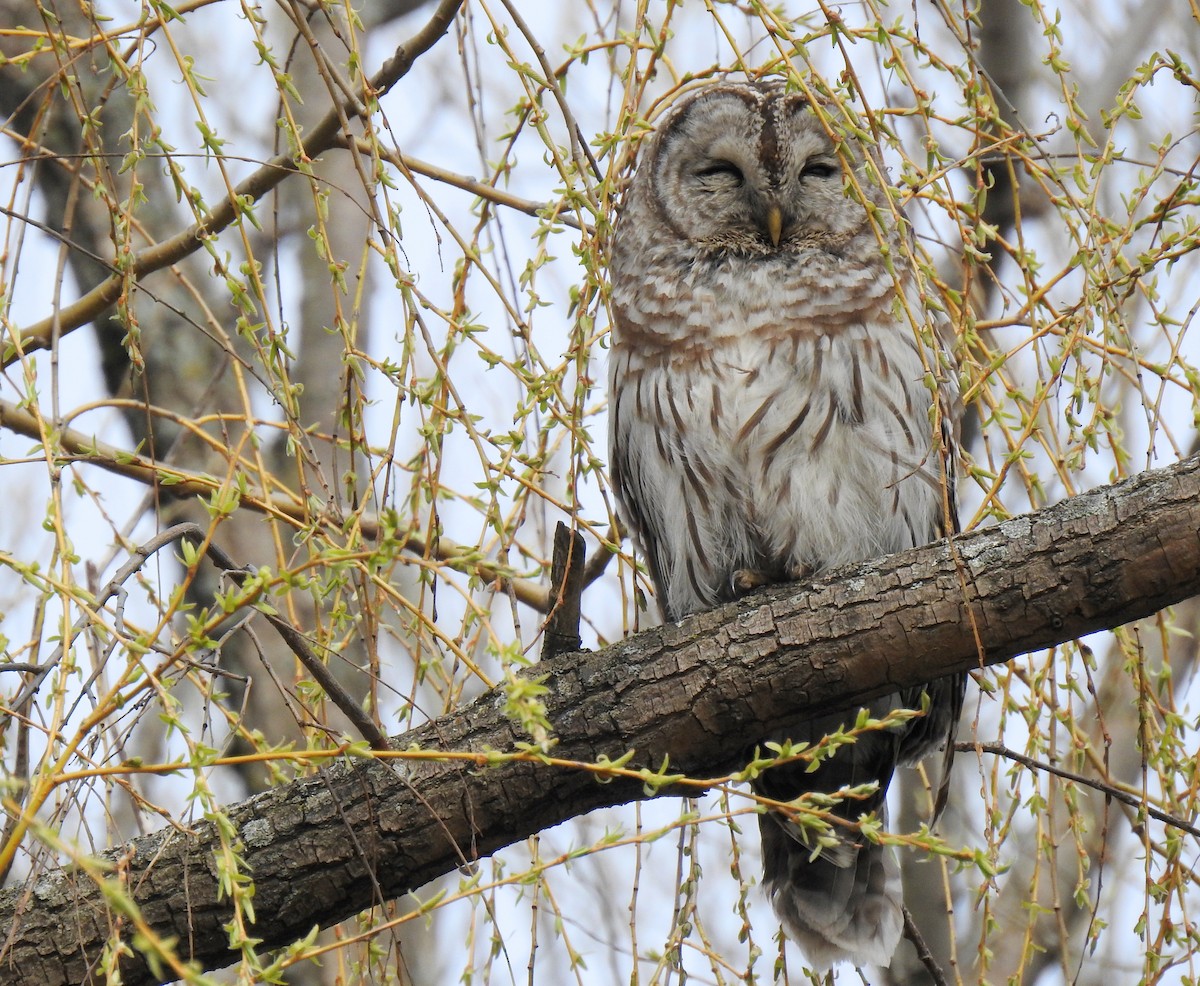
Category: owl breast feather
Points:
column 790, row 437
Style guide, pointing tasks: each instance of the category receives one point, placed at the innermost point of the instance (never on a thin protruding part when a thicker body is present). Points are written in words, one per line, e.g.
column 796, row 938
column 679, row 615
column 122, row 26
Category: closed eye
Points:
column 721, row 171
column 819, row 169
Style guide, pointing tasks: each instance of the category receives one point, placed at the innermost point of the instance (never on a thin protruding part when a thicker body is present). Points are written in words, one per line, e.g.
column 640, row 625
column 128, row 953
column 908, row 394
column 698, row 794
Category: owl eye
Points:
column 818, row 169
column 725, row 171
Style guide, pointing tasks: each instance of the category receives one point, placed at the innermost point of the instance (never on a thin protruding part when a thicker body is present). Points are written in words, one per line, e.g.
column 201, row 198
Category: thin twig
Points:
column 20, row 705
column 140, row 556
column 599, row 561
column 298, row 646
column 923, row 953
column 999, row 750
column 172, row 481
column 531, row 207
column 321, row 138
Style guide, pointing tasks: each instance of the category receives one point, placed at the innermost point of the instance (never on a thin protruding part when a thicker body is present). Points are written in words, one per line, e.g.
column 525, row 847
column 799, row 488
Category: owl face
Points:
column 750, row 169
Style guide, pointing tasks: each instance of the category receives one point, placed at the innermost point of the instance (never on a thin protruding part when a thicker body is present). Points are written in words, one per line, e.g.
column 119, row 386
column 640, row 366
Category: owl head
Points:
column 750, row 169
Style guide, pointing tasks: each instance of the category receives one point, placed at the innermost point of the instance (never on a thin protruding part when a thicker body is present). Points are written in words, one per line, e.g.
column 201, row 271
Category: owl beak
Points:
column 774, row 224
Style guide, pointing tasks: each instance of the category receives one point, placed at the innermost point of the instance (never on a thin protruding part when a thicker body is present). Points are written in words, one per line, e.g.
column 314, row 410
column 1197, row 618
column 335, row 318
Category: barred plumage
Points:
column 771, row 418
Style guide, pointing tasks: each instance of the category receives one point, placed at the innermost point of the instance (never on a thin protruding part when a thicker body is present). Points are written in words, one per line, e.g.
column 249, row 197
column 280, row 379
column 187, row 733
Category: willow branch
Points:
column 173, row 482
column 323, row 137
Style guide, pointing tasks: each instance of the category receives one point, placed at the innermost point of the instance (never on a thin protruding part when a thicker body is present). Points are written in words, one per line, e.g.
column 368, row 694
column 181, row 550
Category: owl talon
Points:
column 747, row 580
column 798, row 571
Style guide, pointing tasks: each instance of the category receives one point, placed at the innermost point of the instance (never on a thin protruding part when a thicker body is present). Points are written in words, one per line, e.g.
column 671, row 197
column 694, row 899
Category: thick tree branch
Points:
column 701, row 692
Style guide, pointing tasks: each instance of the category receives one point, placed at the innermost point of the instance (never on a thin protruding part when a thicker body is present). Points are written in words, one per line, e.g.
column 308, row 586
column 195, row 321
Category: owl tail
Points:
column 845, row 902
column 842, row 906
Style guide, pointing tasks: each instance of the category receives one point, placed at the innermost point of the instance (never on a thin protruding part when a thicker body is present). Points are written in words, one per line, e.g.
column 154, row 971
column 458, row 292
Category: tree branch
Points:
column 175, row 482
column 322, row 137
column 1108, row 790
column 702, row 692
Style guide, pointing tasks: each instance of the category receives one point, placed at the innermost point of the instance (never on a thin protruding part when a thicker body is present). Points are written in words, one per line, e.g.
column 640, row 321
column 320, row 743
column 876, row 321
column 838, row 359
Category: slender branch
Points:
column 19, row 815
column 913, row 934
column 298, row 646
column 321, row 138
column 139, row 557
column 171, row 481
column 999, row 750
column 539, row 210
column 599, row 561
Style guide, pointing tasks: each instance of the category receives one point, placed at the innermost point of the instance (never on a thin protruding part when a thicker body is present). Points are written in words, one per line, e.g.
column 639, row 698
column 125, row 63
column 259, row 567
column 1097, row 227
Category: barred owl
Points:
column 774, row 414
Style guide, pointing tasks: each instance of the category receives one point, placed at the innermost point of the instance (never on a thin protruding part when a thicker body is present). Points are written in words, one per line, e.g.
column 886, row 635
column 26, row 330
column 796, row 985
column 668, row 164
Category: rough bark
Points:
column 700, row 692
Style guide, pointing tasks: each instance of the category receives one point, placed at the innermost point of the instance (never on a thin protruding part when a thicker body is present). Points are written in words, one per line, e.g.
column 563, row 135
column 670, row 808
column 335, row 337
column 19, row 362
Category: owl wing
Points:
column 637, row 463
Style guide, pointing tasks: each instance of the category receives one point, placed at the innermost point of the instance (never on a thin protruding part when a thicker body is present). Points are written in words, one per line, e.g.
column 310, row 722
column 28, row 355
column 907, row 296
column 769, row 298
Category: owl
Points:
column 774, row 413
